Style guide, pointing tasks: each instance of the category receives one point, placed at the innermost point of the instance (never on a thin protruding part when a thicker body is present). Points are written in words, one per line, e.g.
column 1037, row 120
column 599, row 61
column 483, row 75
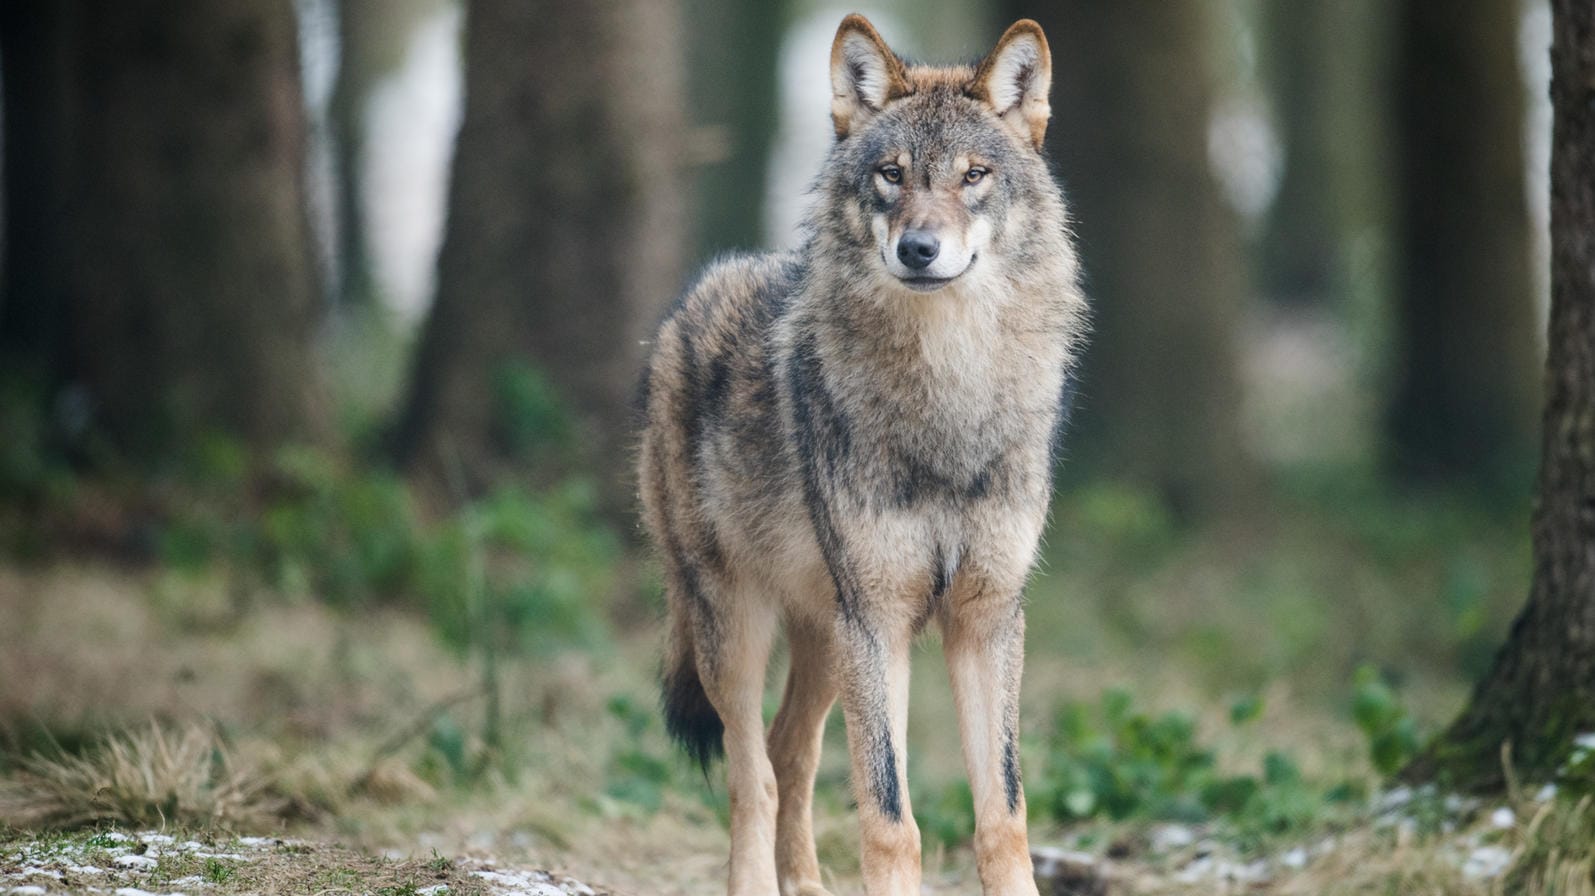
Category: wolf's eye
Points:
column 892, row 173
column 975, row 175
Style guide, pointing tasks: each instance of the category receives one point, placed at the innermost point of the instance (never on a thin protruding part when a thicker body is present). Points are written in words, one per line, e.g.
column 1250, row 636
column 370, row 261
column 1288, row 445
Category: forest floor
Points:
column 371, row 763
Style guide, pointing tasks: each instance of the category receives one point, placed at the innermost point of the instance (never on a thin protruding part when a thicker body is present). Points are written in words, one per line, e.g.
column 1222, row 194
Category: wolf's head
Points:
column 937, row 171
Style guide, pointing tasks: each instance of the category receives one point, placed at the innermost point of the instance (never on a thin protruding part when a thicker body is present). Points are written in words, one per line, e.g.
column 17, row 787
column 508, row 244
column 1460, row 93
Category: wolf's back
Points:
column 710, row 417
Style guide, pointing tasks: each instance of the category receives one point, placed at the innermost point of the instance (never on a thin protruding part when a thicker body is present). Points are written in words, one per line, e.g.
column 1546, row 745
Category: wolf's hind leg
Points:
column 733, row 649
column 795, row 741
column 984, row 643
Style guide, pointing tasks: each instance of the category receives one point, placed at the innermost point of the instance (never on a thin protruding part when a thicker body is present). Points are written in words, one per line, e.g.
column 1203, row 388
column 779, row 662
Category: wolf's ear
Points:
column 1015, row 78
column 865, row 74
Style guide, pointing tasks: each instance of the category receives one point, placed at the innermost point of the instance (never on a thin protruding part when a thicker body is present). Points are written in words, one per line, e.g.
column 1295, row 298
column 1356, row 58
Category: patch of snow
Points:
column 1486, row 862
column 31, row 870
column 134, row 861
column 1546, row 794
column 1503, row 818
column 430, row 891
column 155, row 839
column 258, row 842
column 84, row 869
column 1050, row 860
column 1585, row 741
column 1199, row 870
column 1169, row 837
column 26, row 891
column 1395, row 798
column 1295, row 859
column 118, row 836
column 521, row 883
column 1208, row 868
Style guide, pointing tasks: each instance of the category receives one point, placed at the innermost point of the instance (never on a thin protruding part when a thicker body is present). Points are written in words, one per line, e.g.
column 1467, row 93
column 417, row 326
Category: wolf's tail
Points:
column 689, row 716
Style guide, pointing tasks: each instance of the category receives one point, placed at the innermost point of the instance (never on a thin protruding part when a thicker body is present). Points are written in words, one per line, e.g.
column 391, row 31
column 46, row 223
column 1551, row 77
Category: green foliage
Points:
column 448, row 752
column 1116, row 762
column 1392, row 734
column 348, row 538
column 1131, row 518
column 216, row 871
column 529, row 417
column 1577, row 774
column 24, row 461
column 517, row 572
column 636, row 775
column 946, row 816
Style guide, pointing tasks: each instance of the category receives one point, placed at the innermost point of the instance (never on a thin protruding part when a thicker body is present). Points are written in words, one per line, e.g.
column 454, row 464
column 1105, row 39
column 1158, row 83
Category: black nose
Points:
column 918, row 248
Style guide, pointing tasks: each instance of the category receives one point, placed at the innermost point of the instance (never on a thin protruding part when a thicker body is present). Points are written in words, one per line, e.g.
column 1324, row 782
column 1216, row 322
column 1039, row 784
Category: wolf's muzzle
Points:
column 917, row 249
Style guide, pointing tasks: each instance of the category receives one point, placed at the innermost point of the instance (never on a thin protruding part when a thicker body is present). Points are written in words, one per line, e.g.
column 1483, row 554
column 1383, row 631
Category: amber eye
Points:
column 974, row 175
column 892, row 173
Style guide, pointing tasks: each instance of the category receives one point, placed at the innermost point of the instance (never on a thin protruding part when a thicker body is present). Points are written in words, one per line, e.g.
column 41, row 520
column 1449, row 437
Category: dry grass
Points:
column 149, row 777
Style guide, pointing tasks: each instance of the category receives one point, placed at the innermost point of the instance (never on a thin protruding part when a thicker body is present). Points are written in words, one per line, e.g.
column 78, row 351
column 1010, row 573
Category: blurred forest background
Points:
column 321, row 318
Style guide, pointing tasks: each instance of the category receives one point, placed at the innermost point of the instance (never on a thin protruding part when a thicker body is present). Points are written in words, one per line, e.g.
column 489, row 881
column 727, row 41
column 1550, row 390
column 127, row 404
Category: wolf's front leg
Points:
column 873, row 663
column 983, row 638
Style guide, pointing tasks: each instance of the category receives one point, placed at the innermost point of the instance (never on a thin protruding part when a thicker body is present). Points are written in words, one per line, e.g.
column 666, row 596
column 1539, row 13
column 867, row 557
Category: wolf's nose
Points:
column 918, row 248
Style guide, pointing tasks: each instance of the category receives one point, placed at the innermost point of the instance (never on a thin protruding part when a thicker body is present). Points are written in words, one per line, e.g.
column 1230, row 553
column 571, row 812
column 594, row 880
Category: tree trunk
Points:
column 188, row 288
column 1160, row 393
column 564, row 239
column 735, row 48
column 1465, row 324
column 373, row 38
column 34, row 46
column 1322, row 60
column 1540, row 692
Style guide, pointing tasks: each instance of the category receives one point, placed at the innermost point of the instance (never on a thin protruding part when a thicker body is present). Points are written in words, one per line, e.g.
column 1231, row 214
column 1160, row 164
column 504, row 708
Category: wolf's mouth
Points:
column 926, row 284
column 931, row 284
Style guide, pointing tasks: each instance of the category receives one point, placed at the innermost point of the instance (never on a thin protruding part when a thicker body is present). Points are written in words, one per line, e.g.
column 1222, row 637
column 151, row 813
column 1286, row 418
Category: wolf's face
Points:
column 933, row 159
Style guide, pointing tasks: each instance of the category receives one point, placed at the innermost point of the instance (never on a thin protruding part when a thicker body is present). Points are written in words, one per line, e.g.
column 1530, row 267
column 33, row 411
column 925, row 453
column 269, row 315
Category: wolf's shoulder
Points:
column 739, row 290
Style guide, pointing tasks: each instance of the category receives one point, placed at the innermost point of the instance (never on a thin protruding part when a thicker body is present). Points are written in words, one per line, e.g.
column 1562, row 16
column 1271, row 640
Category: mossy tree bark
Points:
column 186, row 284
column 1465, row 322
column 1540, row 693
column 564, row 239
column 1159, row 398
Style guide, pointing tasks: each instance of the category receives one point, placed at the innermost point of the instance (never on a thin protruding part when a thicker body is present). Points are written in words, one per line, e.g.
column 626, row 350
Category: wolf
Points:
column 853, row 440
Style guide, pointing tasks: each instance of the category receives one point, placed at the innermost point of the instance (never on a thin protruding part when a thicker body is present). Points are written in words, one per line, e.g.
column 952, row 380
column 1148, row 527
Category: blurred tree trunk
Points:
column 362, row 32
column 1465, row 324
column 1160, row 396
column 564, row 239
column 1540, row 693
column 34, row 45
column 734, row 52
column 373, row 38
column 184, row 263
column 1321, row 59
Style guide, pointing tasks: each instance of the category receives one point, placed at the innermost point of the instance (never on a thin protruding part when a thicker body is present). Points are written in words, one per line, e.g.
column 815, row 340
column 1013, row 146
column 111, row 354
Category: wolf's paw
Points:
column 812, row 890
